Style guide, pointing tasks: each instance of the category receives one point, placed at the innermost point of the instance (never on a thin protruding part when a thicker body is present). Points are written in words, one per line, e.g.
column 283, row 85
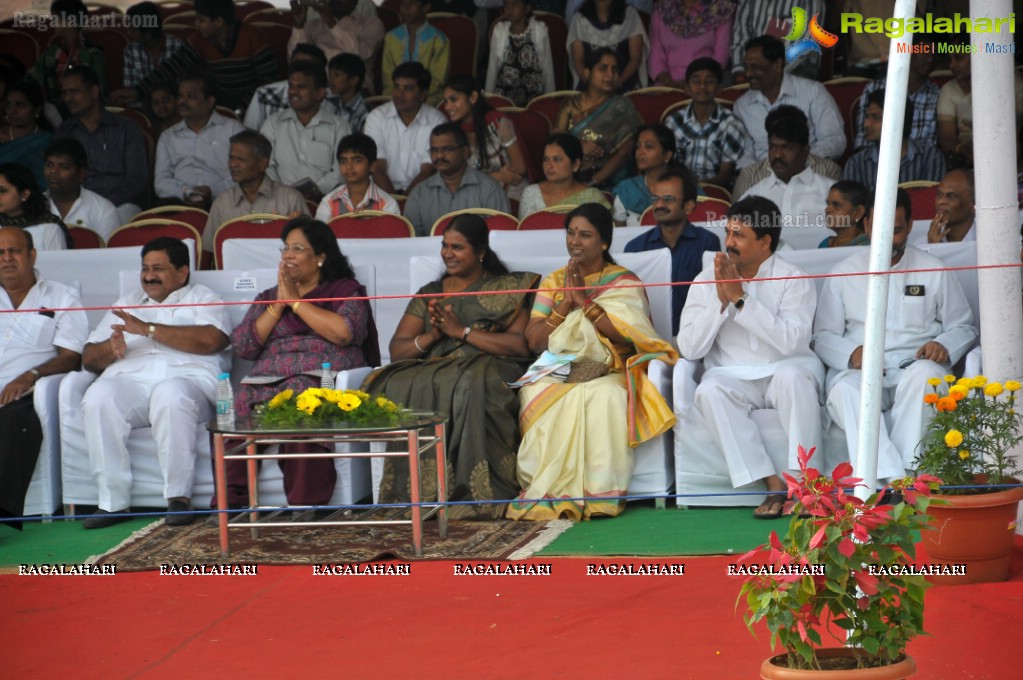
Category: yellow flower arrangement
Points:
column 974, row 427
column 318, row 406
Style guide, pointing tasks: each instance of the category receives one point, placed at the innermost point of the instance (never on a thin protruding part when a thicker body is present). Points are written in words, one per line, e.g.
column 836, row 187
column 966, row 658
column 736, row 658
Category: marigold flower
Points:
column 966, row 382
column 993, row 389
column 953, row 438
column 964, row 454
column 1012, row 385
column 930, row 398
column 280, row 398
column 360, row 394
column 946, row 404
column 348, row 402
column 950, row 379
column 979, row 381
column 934, row 382
column 959, row 392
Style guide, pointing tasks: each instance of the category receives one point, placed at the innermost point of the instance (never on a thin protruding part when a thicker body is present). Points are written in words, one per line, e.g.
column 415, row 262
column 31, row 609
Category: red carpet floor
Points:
column 287, row 623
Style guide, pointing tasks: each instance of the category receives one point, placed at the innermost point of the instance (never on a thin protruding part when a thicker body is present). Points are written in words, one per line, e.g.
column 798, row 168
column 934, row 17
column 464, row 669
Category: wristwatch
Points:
column 741, row 302
column 35, row 374
column 151, row 330
column 465, row 333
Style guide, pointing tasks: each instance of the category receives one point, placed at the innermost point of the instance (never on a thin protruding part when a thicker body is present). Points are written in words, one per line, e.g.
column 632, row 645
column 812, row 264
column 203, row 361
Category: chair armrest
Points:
column 352, row 378
column 974, row 362
column 45, row 397
column 72, row 389
column 660, row 374
column 684, row 381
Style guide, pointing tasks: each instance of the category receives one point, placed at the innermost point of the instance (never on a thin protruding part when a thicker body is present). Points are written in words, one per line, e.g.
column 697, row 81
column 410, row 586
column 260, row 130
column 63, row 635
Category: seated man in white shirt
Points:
column 356, row 155
column 158, row 367
column 65, row 168
column 754, row 339
column 338, row 26
column 955, row 213
column 273, row 97
column 35, row 344
column 191, row 156
column 401, row 128
column 800, row 193
column 770, row 86
column 929, row 328
column 305, row 136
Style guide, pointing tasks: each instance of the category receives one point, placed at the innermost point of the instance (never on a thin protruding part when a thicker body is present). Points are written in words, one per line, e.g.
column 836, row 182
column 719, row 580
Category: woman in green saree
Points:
column 603, row 120
column 455, row 355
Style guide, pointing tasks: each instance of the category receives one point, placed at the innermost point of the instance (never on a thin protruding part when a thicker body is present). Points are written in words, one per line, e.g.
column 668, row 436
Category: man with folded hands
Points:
column 33, row 343
column 158, row 368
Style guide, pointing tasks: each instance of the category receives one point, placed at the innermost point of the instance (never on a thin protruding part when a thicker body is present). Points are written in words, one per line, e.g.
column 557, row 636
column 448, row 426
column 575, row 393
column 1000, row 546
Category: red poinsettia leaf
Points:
column 866, row 581
column 847, row 547
column 818, row 538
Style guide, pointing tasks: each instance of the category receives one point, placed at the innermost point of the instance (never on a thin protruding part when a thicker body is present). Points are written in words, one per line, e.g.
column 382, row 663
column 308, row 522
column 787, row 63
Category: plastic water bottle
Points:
column 326, row 380
column 225, row 401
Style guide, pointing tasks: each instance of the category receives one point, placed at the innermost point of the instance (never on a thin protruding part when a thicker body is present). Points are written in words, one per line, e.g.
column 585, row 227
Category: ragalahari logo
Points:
column 800, row 45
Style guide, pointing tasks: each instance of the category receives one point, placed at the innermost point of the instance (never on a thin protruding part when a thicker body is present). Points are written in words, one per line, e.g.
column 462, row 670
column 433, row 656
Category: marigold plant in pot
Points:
column 841, row 570
column 968, row 444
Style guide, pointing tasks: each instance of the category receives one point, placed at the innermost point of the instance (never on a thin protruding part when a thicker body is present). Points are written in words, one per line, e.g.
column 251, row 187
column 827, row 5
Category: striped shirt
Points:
column 138, row 63
column 759, row 17
column 920, row 163
column 827, row 131
column 925, row 112
column 705, row 146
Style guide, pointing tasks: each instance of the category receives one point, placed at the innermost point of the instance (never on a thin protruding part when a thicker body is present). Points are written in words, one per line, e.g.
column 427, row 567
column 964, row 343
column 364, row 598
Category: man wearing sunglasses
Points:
column 673, row 199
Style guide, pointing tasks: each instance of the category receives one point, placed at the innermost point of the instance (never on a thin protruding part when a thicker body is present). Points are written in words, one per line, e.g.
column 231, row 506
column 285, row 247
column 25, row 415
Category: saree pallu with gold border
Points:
column 577, row 438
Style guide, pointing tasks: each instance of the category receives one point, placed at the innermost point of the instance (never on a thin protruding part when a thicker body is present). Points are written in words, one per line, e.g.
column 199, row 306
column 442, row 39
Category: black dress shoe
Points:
column 101, row 519
column 179, row 513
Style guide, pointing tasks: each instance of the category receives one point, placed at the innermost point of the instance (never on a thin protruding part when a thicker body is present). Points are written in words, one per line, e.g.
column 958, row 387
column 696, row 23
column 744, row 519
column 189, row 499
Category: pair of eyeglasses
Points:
column 298, row 249
column 667, row 200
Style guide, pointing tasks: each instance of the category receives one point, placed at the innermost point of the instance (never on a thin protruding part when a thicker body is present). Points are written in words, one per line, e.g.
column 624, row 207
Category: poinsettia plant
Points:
column 840, row 568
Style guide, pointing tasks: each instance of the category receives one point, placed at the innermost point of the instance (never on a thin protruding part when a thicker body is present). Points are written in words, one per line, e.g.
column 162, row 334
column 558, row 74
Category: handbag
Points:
column 585, row 370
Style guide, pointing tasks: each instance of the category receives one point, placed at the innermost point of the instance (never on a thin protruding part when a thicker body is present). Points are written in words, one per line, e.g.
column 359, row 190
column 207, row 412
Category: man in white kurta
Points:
column 158, row 367
column 929, row 327
column 44, row 338
column 754, row 338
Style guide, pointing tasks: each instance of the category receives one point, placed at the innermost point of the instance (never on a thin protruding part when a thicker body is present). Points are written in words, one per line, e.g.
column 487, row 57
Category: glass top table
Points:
column 418, row 431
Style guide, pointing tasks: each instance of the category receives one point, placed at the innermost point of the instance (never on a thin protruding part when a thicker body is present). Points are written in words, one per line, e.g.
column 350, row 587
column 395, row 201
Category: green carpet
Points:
column 61, row 541
column 648, row 531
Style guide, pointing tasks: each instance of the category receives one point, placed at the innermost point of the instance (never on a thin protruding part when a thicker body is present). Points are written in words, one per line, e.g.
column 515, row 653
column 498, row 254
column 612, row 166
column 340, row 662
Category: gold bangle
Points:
column 294, row 306
column 270, row 308
column 557, row 316
column 593, row 311
column 554, row 324
column 601, row 316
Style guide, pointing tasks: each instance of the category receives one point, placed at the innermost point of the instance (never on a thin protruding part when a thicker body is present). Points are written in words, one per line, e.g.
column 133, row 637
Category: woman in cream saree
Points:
column 577, row 437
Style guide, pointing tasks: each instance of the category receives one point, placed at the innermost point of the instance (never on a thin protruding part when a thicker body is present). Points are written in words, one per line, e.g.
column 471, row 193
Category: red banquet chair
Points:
column 846, row 93
column 256, row 225
column 921, row 195
column 83, row 238
column 551, row 217
column 715, row 191
column 371, row 224
column 196, row 217
column 652, row 102
column 495, row 219
column 271, row 15
column 463, row 37
column 549, row 103
column 532, row 129
column 141, row 232
column 708, row 210
column 21, row 45
column 557, row 31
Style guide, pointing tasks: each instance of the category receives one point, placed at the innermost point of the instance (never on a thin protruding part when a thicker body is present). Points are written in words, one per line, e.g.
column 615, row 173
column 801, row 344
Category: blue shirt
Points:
column 686, row 260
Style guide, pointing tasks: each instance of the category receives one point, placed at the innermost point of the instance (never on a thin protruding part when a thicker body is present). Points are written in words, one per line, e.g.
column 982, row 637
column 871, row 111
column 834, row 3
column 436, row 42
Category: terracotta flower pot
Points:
column 976, row 531
column 774, row 668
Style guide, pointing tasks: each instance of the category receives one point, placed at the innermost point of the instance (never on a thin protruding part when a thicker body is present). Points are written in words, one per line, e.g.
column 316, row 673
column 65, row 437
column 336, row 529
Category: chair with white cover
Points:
column 147, row 487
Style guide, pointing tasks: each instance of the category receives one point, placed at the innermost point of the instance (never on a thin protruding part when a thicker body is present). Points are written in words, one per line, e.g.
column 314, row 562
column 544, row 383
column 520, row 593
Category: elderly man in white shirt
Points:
column 65, row 168
column 929, row 328
column 305, row 137
column 793, row 186
column 191, row 156
column 401, row 129
column 158, row 367
column 754, row 339
column 771, row 86
column 33, row 343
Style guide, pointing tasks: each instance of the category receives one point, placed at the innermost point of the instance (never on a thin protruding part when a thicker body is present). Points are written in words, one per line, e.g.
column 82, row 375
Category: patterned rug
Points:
column 200, row 544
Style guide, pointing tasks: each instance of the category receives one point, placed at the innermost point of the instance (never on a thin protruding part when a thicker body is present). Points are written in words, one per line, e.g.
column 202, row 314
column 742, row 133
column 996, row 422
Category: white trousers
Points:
column 896, row 447
column 126, row 211
column 174, row 407
column 726, row 402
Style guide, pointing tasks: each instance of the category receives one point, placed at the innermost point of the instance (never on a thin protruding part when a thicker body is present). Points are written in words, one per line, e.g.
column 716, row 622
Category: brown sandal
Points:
column 772, row 508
